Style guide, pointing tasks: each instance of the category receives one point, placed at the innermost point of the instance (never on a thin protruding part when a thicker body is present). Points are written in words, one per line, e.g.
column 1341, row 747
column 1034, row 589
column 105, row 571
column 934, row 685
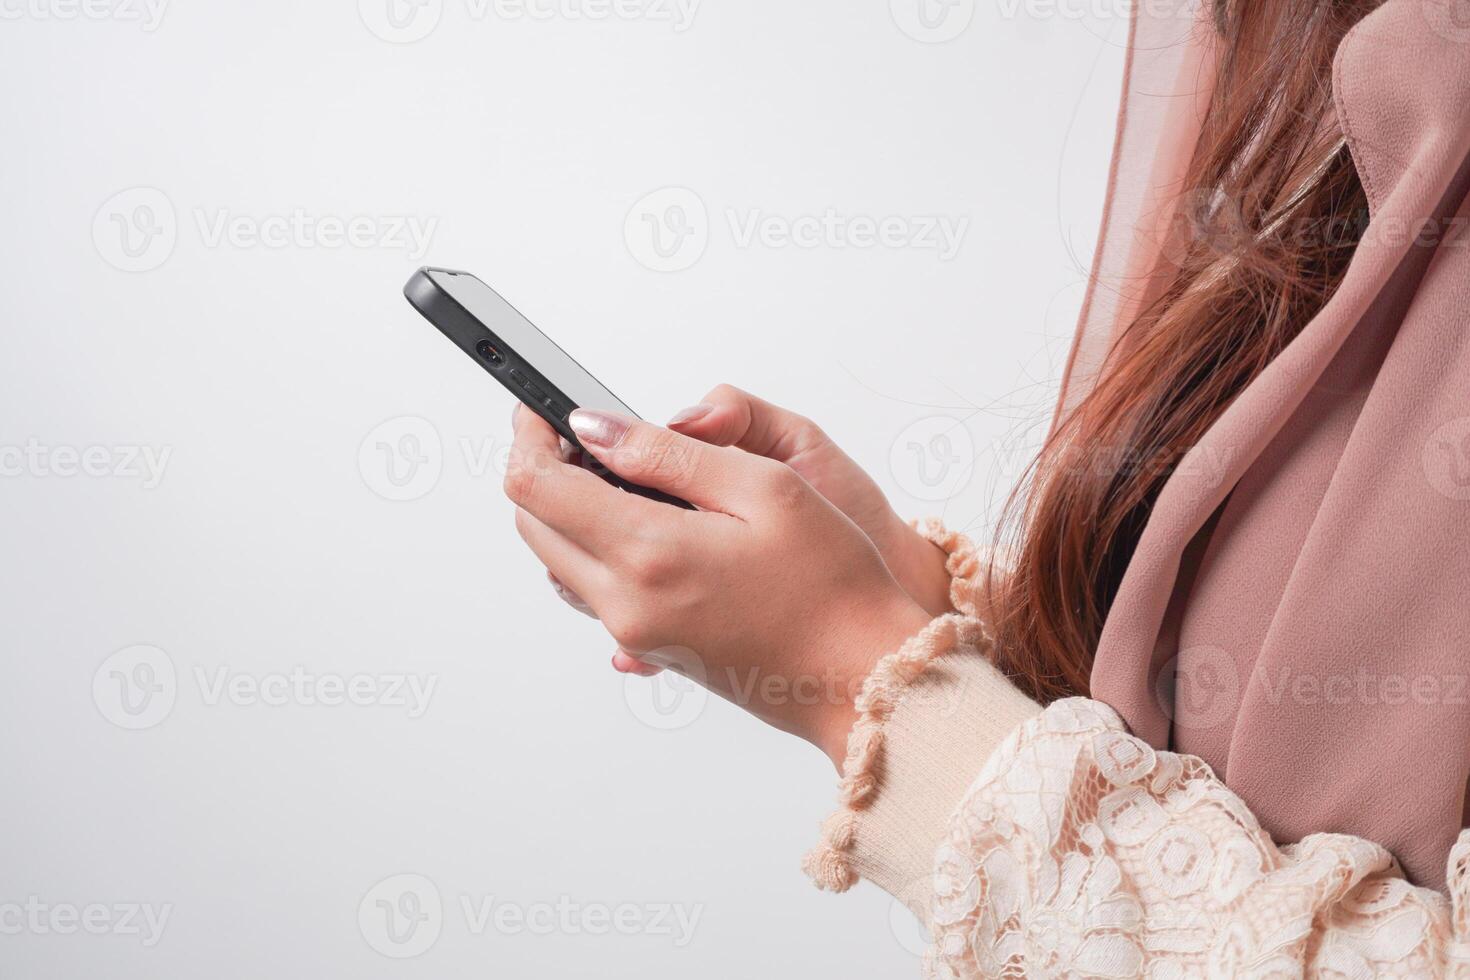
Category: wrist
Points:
column 919, row 565
column 874, row 637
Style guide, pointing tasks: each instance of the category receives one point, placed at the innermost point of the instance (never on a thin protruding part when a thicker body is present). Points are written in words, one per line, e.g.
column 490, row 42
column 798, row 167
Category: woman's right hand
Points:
column 728, row 416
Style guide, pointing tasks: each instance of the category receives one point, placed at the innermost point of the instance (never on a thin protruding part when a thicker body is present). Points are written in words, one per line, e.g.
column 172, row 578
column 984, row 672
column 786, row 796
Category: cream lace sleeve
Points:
column 1079, row 850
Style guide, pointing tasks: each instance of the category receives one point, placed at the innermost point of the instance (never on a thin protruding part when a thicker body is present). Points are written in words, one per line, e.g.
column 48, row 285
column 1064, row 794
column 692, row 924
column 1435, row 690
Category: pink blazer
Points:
column 1298, row 610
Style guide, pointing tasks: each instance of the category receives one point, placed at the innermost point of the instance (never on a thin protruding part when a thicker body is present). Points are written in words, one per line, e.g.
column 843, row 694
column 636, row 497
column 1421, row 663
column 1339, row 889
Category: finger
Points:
column 571, row 566
column 716, row 478
column 728, row 416
column 567, row 498
column 568, row 596
column 625, row 663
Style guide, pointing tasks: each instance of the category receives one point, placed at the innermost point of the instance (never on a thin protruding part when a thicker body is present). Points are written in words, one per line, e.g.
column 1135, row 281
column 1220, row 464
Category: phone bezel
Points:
column 467, row 331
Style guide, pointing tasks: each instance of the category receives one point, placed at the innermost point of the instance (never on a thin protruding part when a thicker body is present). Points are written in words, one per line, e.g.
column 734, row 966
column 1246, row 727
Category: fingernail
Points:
column 691, row 413
column 569, row 597
column 596, row 428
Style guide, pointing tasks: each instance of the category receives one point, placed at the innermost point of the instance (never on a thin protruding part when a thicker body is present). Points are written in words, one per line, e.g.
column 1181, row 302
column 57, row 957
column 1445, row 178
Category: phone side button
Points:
column 555, row 407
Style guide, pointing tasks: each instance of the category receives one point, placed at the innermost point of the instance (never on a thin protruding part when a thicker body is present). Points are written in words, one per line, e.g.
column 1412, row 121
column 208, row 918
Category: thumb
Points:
column 710, row 477
column 728, row 416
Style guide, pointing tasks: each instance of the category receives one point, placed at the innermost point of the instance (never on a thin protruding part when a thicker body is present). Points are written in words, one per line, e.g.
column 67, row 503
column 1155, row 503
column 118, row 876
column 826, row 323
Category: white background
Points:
column 536, row 774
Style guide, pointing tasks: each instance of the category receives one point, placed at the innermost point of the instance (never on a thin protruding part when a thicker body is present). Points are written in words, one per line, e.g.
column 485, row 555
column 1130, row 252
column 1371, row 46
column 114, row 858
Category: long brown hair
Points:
column 1273, row 214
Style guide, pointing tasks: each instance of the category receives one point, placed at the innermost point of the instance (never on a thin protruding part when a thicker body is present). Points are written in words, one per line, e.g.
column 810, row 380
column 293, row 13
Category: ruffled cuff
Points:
column 929, row 716
column 966, row 567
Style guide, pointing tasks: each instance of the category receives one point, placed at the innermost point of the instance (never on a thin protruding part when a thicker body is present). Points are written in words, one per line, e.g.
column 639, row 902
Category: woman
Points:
column 1245, row 539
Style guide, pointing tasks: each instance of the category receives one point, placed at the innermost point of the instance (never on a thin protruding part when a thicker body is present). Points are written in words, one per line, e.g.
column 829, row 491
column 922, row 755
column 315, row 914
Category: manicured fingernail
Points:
column 569, row 597
column 596, row 428
column 691, row 413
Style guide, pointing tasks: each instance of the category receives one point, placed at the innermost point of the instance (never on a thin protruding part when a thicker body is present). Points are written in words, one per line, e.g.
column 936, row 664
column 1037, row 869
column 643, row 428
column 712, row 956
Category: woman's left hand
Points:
column 768, row 594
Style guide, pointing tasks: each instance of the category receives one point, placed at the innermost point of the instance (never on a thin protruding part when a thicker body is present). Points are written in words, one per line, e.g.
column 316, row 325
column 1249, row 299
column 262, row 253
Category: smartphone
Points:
column 526, row 361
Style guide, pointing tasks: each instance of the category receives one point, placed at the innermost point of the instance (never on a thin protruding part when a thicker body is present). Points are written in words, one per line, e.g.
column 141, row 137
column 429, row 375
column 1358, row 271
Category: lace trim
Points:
column 829, row 864
column 963, row 562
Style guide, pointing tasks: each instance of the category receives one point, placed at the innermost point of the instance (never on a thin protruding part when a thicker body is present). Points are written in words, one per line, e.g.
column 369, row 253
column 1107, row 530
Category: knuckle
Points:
column 649, row 563
column 519, row 483
column 782, row 486
column 806, row 429
column 725, row 394
column 669, row 460
column 523, row 523
column 628, row 629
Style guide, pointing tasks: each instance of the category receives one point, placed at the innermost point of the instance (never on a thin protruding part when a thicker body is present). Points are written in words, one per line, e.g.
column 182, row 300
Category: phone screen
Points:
column 533, row 346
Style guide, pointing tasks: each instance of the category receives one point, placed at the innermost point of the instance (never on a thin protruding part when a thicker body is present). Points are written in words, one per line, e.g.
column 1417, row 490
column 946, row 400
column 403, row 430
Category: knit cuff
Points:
column 966, row 566
column 929, row 716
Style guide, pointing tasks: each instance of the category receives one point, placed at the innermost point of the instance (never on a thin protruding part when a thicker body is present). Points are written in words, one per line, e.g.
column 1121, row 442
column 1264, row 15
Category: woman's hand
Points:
column 769, row 595
column 728, row 416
